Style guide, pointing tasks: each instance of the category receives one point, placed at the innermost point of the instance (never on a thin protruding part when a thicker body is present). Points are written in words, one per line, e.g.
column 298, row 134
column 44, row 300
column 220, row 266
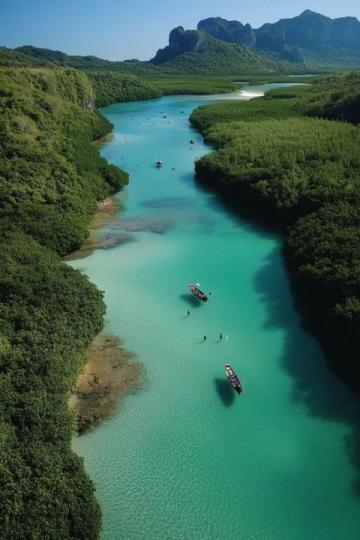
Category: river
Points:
column 184, row 457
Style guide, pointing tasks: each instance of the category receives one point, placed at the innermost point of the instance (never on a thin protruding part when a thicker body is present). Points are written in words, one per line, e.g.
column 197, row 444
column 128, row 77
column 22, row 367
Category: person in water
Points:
column 221, row 336
column 204, row 338
column 188, row 312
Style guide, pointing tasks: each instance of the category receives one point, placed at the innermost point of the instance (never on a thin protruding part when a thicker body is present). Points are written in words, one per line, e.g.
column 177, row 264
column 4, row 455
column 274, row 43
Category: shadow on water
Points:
column 191, row 300
column 262, row 223
column 224, row 391
column 324, row 395
column 188, row 178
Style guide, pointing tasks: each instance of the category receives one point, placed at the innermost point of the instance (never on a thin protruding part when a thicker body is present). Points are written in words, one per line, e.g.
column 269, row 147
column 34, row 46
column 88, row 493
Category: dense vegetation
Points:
column 114, row 87
column 10, row 57
column 336, row 97
column 278, row 104
column 213, row 57
column 192, row 84
column 59, row 58
column 49, row 314
column 111, row 81
column 50, row 180
column 305, row 173
column 51, row 177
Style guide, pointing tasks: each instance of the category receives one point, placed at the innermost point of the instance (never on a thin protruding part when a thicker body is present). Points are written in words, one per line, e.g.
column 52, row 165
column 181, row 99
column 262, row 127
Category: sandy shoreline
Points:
column 104, row 139
column 108, row 375
column 106, row 212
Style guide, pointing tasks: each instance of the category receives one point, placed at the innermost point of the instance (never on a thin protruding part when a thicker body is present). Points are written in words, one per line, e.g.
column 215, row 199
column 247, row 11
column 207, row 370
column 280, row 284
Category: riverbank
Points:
column 50, row 312
column 106, row 212
column 109, row 373
column 299, row 172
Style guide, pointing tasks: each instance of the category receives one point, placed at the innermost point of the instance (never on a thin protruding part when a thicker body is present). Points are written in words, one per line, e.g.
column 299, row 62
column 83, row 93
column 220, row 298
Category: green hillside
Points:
column 10, row 57
column 50, row 179
column 112, row 84
column 132, row 67
column 215, row 57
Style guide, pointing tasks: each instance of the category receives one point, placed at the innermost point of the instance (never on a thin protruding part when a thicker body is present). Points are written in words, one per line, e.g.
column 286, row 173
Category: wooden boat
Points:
column 199, row 294
column 159, row 164
column 233, row 379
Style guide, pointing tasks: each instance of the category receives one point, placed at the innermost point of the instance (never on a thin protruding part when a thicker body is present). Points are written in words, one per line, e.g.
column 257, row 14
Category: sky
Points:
column 125, row 29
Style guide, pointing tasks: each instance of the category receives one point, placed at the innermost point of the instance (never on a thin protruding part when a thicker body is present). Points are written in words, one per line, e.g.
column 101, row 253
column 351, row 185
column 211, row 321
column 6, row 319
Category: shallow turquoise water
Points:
column 184, row 457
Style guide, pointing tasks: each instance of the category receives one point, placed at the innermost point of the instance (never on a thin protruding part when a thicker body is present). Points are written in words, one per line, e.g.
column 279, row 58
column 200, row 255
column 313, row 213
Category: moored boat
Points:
column 233, row 379
column 199, row 294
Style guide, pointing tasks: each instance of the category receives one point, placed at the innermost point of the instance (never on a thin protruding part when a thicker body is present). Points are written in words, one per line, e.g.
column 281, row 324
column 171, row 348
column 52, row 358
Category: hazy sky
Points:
column 120, row 29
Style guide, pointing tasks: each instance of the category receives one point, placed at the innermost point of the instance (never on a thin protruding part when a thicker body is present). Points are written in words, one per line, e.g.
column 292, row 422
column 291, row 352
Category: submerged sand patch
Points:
column 110, row 373
column 106, row 213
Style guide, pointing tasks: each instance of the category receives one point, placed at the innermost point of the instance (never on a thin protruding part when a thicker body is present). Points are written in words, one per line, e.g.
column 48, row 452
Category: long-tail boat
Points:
column 199, row 294
column 233, row 379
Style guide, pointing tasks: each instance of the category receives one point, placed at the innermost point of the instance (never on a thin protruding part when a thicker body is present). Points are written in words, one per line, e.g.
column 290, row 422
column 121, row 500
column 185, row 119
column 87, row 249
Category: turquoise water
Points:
column 185, row 457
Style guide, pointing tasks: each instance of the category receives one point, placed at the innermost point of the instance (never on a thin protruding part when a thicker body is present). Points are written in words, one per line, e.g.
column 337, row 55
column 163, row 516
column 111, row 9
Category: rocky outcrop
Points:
column 180, row 41
column 310, row 31
column 229, row 31
column 88, row 104
column 345, row 33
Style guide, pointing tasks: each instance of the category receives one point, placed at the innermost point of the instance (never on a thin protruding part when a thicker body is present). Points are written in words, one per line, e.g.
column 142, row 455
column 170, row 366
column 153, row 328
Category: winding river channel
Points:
column 184, row 457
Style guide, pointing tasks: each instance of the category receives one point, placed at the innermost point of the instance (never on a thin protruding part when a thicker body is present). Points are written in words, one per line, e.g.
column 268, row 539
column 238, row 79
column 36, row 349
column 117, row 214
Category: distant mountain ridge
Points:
column 203, row 55
column 198, row 51
column 308, row 39
column 308, row 43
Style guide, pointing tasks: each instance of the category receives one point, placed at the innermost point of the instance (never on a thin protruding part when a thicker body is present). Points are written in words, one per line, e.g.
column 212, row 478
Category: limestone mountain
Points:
column 310, row 39
column 197, row 51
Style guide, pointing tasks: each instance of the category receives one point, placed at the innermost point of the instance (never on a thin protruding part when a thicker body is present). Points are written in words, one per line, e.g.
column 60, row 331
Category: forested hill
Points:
column 131, row 67
column 309, row 39
column 111, row 83
column 191, row 51
column 283, row 157
column 50, row 180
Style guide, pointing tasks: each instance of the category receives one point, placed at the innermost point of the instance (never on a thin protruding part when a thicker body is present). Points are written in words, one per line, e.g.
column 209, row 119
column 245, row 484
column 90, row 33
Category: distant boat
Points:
column 159, row 164
column 199, row 294
column 233, row 379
